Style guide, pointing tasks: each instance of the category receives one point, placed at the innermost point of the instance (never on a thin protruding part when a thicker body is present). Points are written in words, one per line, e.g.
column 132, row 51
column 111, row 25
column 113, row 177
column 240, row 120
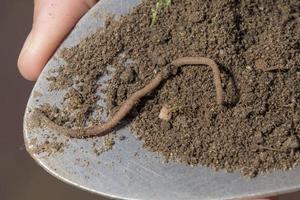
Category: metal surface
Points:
column 128, row 171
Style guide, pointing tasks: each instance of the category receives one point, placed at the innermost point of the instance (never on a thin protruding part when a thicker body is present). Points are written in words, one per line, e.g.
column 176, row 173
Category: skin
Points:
column 52, row 21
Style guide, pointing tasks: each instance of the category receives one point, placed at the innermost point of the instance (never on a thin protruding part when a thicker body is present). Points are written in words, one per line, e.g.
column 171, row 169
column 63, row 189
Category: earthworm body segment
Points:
column 102, row 129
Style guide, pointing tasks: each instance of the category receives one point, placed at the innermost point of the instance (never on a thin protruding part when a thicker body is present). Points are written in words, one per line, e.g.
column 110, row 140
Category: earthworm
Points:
column 102, row 129
column 213, row 65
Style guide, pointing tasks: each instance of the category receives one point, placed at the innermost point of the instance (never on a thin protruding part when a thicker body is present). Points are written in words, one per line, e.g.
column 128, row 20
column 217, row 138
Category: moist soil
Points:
column 257, row 130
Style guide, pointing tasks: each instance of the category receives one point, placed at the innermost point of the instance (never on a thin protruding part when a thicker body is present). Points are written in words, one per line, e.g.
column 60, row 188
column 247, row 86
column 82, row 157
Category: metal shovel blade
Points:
column 128, row 171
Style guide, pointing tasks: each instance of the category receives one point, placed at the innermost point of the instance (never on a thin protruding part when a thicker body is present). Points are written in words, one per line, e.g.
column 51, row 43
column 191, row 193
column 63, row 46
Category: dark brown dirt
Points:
column 257, row 130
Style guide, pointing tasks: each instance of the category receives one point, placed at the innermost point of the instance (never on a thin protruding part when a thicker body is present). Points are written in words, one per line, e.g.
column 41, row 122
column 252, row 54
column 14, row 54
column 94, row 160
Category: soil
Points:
column 255, row 43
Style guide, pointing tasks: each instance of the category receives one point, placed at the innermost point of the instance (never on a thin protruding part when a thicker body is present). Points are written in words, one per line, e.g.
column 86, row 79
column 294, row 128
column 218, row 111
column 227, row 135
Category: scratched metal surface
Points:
column 128, row 171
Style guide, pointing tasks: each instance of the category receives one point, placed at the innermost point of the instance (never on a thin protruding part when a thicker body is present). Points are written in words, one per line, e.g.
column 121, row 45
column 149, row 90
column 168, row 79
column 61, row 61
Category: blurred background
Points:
column 20, row 177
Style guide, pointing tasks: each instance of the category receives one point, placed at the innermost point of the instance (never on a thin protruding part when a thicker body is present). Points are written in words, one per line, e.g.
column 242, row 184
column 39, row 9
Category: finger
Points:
column 52, row 21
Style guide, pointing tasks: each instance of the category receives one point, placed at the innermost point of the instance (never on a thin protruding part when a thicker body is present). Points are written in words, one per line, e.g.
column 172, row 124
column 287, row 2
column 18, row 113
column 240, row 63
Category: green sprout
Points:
column 158, row 6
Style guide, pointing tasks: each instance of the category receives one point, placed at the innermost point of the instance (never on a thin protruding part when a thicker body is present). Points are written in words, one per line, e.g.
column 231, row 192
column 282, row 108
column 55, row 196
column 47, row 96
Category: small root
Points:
column 292, row 143
column 268, row 148
column 102, row 129
column 272, row 69
column 262, row 65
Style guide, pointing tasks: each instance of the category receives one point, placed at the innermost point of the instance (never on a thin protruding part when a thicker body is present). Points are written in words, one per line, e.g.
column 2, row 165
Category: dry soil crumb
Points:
column 49, row 146
column 37, row 94
column 108, row 143
column 258, row 130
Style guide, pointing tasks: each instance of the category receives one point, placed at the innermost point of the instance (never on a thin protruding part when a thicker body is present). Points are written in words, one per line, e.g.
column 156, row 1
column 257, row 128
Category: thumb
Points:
column 52, row 21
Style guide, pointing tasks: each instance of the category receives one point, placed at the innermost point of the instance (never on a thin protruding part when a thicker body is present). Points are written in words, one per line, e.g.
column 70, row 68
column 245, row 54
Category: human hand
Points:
column 52, row 21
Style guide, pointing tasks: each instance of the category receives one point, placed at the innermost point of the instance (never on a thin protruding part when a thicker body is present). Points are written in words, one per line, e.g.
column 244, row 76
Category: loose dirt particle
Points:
column 132, row 100
column 232, row 33
column 165, row 113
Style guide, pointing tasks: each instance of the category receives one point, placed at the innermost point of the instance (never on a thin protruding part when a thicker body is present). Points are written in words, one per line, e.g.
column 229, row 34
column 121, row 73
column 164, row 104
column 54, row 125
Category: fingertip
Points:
column 28, row 67
column 31, row 59
column 52, row 22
